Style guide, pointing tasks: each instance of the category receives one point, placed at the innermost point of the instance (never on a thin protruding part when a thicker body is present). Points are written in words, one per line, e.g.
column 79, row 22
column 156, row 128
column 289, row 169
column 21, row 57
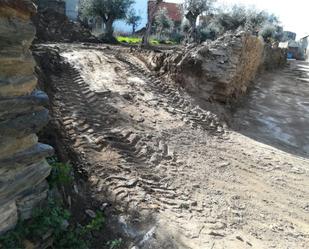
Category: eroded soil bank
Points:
column 178, row 175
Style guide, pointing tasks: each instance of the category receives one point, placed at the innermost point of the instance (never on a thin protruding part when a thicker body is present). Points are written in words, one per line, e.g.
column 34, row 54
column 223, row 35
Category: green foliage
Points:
column 114, row 244
column 133, row 19
column 61, row 173
column 162, row 22
column 197, row 7
column 107, row 10
column 137, row 40
column 115, row 9
column 240, row 17
column 129, row 40
column 95, row 224
column 51, row 219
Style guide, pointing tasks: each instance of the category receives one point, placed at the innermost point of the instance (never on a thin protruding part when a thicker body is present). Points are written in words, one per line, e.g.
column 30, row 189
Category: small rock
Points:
column 90, row 213
column 155, row 158
column 103, row 206
column 224, row 164
column 239, row 238
column 194, row 203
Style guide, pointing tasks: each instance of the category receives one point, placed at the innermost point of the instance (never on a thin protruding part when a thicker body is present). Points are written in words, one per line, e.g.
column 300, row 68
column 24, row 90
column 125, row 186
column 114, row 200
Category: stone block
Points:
column 8, row 216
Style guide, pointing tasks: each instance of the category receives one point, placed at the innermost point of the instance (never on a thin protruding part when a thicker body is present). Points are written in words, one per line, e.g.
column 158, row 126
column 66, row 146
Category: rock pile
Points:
column 53, row 26
column 23, row 168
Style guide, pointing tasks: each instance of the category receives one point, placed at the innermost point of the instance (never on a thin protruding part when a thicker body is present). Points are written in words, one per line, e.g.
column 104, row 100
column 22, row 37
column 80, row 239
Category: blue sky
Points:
column 294, row 15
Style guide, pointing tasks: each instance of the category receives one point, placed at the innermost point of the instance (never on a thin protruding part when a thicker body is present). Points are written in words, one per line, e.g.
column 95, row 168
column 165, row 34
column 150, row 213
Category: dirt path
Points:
column 153, row 153
column 277, row 109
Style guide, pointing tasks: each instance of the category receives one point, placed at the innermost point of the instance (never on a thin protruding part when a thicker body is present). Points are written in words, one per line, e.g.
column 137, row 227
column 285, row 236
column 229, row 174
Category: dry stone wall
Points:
column 221, row 70
column 23, row 168
column 273, row 58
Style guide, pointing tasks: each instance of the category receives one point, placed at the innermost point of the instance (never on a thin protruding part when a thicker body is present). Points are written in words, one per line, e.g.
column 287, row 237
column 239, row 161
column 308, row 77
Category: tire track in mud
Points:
column 175, row 103
column 205, row 190
column 83, row 115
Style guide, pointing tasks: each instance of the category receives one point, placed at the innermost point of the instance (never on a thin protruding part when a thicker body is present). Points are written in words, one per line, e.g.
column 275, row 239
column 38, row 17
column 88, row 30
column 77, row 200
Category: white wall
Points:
column 72, row 9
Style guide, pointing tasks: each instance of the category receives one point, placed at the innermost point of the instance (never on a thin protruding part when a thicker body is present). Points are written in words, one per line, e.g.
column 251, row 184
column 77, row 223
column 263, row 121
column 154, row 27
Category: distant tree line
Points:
column 213, row 22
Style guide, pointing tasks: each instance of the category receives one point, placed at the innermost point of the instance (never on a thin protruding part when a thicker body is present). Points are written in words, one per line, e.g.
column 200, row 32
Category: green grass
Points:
column 137, row 40
column 129, row 40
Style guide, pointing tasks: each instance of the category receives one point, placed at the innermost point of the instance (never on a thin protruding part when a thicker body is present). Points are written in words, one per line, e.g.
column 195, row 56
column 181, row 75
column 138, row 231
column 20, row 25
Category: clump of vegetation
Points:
column 163, row 24
column 194, row 8
column 129, row 40
column 137, row 40
column 114, row 244
column 61, row 174
column 133, row 19
column 51, row 221
column 236, row 18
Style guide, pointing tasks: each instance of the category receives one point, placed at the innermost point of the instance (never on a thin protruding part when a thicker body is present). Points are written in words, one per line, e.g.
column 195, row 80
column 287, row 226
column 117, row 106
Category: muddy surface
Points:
column 180, row 178
column 277, row 109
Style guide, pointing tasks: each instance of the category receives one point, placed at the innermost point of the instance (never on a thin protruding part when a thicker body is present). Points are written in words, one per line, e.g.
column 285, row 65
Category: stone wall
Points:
column 220, row 70
column 273, row 58
column 23, row 168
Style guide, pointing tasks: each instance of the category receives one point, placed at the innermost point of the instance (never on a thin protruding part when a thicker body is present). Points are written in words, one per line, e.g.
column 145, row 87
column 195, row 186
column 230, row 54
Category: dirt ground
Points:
column 181, row 178
column 276, row 111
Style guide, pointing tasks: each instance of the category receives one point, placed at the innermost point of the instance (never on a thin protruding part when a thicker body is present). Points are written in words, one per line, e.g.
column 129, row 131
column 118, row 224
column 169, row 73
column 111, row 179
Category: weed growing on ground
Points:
column 61, row 174
column 52, row 220
column 114, row 244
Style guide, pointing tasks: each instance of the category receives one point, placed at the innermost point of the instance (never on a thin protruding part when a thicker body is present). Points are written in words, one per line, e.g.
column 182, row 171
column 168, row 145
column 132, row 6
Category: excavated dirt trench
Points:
column 149, row 150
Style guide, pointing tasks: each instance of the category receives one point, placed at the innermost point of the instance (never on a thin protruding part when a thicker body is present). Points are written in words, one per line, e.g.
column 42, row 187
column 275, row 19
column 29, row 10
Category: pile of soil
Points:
column 52, row 26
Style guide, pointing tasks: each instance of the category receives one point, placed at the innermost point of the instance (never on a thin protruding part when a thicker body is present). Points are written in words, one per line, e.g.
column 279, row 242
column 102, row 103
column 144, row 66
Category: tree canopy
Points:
column 193, row 9
column 133, row 19
column 108, row 10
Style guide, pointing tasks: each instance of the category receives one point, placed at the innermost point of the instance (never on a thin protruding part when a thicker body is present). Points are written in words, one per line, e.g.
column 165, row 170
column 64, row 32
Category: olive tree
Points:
column 133, row 19
column 193, row 9
column 163, row 22
column 108, row 10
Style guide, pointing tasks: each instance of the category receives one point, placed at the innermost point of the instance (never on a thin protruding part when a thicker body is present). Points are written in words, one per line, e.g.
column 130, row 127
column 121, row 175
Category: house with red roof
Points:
column 174, row 10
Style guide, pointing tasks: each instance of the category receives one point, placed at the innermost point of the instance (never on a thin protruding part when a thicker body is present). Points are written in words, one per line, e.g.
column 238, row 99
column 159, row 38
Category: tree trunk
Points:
column 133, row 29
column 151, row 16
column 192, row 34
column 109, row 31
column 194, row 31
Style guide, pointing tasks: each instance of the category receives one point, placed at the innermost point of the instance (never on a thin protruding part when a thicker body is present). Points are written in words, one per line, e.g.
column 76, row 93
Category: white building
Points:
column 72, row 9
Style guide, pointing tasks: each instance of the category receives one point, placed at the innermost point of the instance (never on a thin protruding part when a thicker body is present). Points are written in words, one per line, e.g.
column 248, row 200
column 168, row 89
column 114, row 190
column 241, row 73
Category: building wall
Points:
column 72, row 9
